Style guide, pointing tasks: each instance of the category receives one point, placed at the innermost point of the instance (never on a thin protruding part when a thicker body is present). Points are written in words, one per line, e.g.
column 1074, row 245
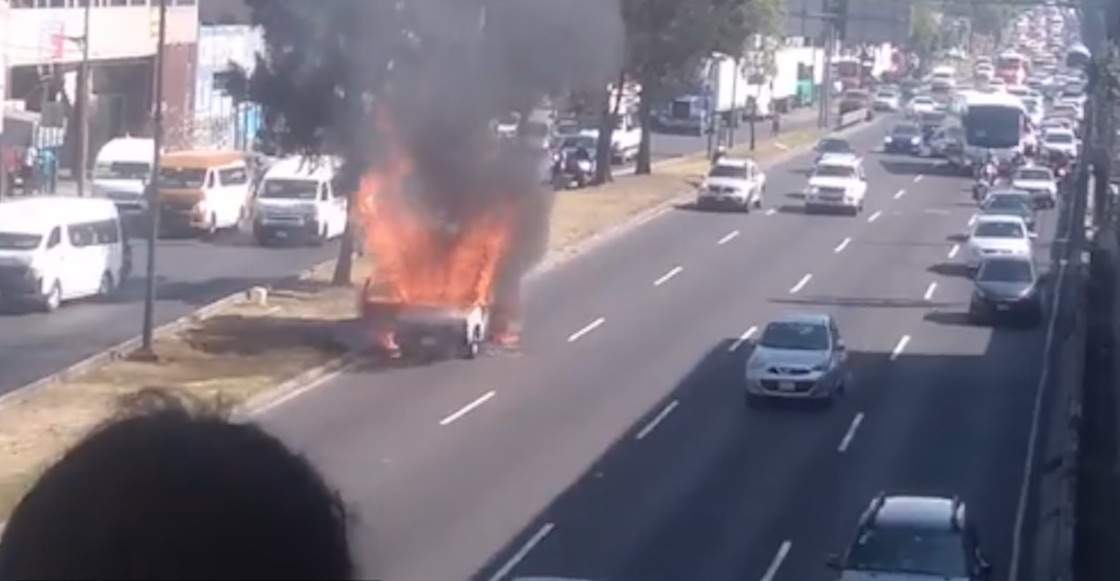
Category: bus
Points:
column 1078, row 56
column 993, row 122
column 1013, row 68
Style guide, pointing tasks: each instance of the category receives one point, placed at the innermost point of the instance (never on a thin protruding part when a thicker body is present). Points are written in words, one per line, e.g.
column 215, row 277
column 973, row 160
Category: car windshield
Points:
column 19, row 241
column 906, row 130
column 1034, row 174
column 1007, row 203
column 281, row 189
column 834, row 146
column 923, row 101
column 834, row 171
column 721, row 170
column 998, row 230
column 1058, row 138
column 795, row 335
column 122, row 170
column 578, row 141
column 1001, row 270
column 917, row 551
column 183, row 178
column 885, row 95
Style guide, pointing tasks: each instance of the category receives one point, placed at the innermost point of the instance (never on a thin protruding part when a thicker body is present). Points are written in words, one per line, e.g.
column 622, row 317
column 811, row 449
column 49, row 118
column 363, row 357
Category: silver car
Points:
column 798, row 357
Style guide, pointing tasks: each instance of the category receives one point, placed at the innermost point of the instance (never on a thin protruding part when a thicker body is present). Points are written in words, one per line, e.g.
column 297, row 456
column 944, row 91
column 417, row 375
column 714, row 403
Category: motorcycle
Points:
column 980, row 191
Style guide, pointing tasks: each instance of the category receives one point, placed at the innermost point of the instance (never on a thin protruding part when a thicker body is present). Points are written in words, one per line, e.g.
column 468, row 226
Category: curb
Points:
column 557, row 258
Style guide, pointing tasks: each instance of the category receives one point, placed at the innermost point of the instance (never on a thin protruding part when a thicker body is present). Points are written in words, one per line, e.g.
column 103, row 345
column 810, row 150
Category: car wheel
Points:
column 105, row 288
column 53, row 300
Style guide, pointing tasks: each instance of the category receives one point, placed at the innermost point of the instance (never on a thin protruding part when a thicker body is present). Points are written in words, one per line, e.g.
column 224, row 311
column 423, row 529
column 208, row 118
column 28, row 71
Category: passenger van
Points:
column 296, row 200
column 202, row 192
column 58, row 248
column 121, row 169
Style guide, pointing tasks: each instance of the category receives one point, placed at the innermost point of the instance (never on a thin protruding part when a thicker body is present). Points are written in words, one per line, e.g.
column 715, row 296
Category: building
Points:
column 43, row 47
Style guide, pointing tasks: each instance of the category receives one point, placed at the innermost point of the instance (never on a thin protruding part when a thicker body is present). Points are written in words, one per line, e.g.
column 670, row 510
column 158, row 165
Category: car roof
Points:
column 930, row 512
column 38, row 214
column 803, row 318
column 997, row 218
column 736, row 162
column 839, row 159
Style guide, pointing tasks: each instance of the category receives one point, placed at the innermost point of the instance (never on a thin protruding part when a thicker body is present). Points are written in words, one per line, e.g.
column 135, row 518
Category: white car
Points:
column 799, row 356
column 837, row 183
column 732, row 184
column 886, row 101
column 921, row 104
column 1040, row 182
column 1060, row 140
column 997, row 235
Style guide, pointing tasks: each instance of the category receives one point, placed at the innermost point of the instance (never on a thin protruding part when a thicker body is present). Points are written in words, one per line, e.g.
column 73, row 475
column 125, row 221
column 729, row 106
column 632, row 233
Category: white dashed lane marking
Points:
column 899, row 194
column 954, row 250
column 668, row 276
column 929, row 291
column 468, row 408
column 660, row 417
column 874, row 216
column 746, row 336
column 587, row 329
column 801, row 284
column 900, row 347
column 728, row 237
column 843, row 244
column 850, row 434
column 918, row 178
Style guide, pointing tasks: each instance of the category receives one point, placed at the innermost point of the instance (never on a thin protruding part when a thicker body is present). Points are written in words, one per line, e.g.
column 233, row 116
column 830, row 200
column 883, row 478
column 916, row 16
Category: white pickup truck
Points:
column 732, row 183
column 837, row 184
column 625, row 138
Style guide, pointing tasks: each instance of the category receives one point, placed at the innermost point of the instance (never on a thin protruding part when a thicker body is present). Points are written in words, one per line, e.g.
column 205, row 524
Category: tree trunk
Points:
column 603, row 145
column 344, row 265
column 643, row 165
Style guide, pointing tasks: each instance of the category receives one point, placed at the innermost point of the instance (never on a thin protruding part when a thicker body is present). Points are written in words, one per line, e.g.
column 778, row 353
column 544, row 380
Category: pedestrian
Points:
column 775, row 124
column 29, row 170
column 170, row 490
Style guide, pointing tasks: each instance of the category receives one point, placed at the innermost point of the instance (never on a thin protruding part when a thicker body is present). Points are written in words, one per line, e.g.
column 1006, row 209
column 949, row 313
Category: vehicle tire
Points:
column 211, row 228
column 53, row 300
column 106, row 287
column 472, row 346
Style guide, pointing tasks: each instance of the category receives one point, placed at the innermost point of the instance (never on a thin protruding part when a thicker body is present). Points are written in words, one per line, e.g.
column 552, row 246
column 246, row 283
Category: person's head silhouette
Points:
column 169, row 492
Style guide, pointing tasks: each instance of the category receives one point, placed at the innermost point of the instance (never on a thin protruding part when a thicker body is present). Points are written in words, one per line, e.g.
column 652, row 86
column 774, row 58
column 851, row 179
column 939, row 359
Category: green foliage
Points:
column 924, row 29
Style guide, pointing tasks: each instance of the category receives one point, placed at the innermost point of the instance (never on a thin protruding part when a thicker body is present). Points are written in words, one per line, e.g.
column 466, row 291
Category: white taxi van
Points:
column 202, row 192
column 297, row 200
column 57, row 249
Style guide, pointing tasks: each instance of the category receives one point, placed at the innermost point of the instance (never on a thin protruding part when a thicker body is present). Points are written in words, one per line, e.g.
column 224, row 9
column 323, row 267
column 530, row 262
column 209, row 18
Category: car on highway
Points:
column 921, row 104
column 799, row 356
column 996, row 235
column 1039, row 182
column 1006, row 287
column 55, row 249
column 296, row 201
column 913, row 538
column 838, row 183
column 732, row 183
column 1061, row 141
column 887, row 100
column 903, row 138
column 829, row 145
column 1011, row 203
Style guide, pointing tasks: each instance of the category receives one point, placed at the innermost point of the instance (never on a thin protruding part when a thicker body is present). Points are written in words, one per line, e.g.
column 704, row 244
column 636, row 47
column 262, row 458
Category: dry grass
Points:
column 247, row 348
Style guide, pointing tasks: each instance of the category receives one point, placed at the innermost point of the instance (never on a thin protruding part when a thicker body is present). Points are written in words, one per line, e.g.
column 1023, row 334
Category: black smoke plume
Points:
column 445, row 69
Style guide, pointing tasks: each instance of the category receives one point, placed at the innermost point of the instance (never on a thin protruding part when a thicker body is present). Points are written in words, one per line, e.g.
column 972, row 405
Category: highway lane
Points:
column 192, row 273
column 713, row 492
column 575, row 392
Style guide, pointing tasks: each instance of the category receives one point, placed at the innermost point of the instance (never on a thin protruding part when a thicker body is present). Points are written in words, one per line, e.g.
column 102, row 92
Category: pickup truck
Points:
column 625, row 138
column 422, row 330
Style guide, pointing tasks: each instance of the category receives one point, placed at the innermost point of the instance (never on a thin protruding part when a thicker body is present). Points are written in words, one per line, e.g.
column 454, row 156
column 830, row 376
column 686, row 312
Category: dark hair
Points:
column 166, row 491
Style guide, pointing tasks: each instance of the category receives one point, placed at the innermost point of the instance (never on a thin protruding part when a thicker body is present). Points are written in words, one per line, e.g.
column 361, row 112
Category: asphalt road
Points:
column 191, row 274
column 617, row 444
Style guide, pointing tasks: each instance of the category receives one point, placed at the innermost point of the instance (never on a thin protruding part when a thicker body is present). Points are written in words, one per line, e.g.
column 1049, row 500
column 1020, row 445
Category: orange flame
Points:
column 419, row 259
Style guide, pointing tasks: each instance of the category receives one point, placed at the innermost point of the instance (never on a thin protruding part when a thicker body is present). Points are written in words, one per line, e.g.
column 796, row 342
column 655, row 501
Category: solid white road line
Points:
column 668, row 276
column 657, row 419
column 523, row 552
column 918, row 178
column 468, row 408
column 742, row 339
column 954, row 250
column 840, row 247
column 898, row 349
column 728, row 237
column 772, row 570
column 874, row 216
column 589, row 328
column 899, row 194
column 801, row 284
column 929, row 291
column 850, row 434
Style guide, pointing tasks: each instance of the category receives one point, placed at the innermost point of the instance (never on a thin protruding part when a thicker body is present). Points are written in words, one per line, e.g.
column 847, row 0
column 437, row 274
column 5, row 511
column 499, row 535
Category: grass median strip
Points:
column 248, row 348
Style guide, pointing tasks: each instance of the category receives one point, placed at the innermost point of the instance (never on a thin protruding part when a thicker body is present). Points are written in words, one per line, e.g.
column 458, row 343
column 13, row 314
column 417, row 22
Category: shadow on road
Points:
column 956, row 269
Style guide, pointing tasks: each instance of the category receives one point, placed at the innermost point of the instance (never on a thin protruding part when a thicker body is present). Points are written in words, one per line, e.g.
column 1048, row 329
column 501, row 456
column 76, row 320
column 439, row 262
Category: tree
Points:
column 924, row 30
column 667, row 40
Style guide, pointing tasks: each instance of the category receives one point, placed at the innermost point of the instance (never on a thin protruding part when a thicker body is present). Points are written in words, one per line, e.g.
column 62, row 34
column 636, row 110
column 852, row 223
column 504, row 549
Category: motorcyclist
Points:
column 720, row 153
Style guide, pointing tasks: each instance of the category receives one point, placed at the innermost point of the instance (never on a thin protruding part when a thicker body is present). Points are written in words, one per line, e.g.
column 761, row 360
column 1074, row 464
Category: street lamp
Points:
column 83, row 98
column 146, row 351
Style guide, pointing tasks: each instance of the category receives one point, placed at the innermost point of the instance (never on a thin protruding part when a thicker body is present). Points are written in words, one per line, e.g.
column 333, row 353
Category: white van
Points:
column 296, row 200
column 120, row 170
column 58, row 248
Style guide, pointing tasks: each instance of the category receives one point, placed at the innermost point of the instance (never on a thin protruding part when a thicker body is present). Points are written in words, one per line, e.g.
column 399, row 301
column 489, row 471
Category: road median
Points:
column 241, row 348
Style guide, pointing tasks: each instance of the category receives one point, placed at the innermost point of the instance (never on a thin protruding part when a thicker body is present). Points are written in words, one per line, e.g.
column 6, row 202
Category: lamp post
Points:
column 83, row 100
column 146, row 351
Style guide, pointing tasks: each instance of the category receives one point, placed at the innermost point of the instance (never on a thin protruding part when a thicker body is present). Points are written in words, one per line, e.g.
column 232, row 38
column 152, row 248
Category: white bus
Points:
column 992, row 122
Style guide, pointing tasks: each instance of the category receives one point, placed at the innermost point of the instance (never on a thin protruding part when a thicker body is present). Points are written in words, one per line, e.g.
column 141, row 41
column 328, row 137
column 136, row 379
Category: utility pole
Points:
column 146, row 351
column 83, row 102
